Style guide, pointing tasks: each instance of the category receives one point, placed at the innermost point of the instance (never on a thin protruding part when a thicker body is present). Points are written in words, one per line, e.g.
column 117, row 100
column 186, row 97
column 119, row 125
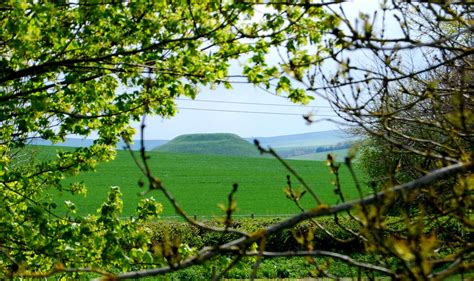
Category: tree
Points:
column 428, row 125
column 418, row 114
column 80, row 67
column 412, row 98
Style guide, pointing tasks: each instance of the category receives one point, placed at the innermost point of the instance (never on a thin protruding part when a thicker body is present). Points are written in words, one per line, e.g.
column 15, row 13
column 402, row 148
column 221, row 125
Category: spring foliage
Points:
column 82, row 68
column 78, row 68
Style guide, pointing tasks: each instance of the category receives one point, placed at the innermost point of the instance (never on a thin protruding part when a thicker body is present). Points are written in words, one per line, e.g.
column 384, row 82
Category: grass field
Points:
column 201, row 182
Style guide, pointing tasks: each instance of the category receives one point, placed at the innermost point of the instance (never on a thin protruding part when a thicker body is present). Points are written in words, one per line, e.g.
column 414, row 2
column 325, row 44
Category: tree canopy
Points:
column 79, row 67
column 87, row 68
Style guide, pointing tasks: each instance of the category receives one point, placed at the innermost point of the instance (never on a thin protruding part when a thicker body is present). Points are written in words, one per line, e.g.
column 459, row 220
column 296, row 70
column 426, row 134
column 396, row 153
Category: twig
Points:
column 243, row 242
column 323, row 253
column 289, row 168
column 228, row 267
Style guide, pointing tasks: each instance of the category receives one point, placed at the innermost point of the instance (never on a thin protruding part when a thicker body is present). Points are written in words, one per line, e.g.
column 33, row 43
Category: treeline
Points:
column 297, row 151
column 338, row 146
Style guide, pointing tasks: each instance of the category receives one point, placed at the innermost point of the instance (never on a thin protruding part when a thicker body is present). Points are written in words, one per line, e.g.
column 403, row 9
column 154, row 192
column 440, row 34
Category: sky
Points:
column 285, row 119
column 236, row 111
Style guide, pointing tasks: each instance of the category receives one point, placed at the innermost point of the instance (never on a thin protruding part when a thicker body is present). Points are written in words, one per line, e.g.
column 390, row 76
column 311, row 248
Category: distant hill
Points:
column 217, row 144
column 315, row 139
column 338, row 154
column 288, row 146
column 75, row 142
column 149, row 144
column 292, row 152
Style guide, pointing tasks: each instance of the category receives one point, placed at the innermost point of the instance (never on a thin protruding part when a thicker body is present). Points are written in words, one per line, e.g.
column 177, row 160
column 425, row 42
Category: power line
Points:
column 253, row 112
column 254, row 103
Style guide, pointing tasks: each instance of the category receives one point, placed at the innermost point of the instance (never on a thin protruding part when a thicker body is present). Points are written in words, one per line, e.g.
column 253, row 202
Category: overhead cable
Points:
column 253, row 112
column 255, row 103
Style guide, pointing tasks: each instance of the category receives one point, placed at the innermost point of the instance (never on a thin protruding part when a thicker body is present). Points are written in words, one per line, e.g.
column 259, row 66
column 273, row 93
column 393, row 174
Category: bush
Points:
column 281, row 241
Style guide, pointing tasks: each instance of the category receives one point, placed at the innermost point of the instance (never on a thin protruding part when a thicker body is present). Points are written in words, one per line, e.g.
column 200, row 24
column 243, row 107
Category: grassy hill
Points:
column 75, row 142
column 215, row 144
column 315, row 139
column 288, row 146
column 201, row 182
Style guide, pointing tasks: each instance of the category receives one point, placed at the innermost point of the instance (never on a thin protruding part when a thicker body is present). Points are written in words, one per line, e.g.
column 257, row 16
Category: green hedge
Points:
column 281, row 241
column 284, row 240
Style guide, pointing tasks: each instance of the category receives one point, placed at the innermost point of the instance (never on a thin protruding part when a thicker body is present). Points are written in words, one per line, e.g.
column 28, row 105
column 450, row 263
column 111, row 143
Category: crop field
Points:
column 201, row 182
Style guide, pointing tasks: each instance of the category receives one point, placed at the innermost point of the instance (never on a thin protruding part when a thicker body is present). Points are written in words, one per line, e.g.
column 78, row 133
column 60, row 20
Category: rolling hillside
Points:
column 298, row 146
column 339, row 155
column 214, row 144
column 75, row 142
column 315, row 139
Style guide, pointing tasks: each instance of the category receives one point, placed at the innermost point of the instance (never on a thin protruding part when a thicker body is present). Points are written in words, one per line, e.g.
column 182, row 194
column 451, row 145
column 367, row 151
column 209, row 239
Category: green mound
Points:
column 217, row 144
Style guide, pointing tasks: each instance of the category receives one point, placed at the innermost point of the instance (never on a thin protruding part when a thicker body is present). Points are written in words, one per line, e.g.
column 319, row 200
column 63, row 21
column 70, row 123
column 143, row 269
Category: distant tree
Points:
column 76, row 68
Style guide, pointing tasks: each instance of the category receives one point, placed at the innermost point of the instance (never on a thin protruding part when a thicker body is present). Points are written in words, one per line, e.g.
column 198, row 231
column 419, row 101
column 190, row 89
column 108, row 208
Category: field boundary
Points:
column 207, row 217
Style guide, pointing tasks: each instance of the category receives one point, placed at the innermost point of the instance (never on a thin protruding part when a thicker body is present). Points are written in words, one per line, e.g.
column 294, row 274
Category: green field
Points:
column 201, row 182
